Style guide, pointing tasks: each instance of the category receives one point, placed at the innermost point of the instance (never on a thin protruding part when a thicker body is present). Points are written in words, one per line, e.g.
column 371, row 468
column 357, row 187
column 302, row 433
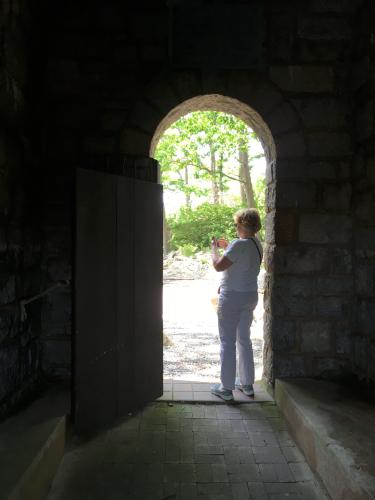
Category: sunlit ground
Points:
column 190, row 323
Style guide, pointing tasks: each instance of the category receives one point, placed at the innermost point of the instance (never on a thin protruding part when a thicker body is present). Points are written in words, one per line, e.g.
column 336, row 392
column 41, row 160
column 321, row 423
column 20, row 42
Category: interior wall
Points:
column 20, row 209
column 363, row 85
column 107, row 82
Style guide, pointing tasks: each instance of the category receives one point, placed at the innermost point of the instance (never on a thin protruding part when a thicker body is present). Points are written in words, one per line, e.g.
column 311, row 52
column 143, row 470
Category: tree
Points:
column 260, row 202
column 202, row 152
column 245, row 177
column 197, row 154
column 195, row 226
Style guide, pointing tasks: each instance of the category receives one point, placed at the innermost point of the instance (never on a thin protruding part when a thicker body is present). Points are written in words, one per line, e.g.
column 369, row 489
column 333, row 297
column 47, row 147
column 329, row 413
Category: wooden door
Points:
column 118, row 292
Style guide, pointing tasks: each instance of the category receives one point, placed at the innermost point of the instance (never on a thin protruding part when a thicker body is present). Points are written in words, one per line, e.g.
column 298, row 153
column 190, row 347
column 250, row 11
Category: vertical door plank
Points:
column 148, row 274
column 95, row 301
column 125, row 294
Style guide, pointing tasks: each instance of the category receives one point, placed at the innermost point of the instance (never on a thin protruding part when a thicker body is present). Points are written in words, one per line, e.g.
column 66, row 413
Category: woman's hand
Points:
column 222, row 243
column 219, row 263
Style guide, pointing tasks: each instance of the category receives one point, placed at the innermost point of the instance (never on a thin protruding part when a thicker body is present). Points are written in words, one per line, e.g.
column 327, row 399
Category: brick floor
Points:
column 176, row 451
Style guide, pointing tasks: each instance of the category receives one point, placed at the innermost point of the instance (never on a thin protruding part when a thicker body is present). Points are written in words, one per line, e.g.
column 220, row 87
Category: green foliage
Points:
column 198, row 154
column 188, row 250
column 260, row 201
column 192, row 228
column 195, row 227
column 202, row 156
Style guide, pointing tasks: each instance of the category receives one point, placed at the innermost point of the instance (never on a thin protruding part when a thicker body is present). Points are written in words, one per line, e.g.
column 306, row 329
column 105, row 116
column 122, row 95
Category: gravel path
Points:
column 190, row 323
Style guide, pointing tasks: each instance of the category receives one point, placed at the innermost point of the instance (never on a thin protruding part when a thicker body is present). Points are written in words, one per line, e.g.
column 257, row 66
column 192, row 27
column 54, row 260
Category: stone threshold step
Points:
column 32, row 445
column 190, row 391
column 335, row 431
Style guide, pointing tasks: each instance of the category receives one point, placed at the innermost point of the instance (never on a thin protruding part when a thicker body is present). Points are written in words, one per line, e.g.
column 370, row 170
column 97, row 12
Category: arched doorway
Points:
column 217, row 102
column 191, row 354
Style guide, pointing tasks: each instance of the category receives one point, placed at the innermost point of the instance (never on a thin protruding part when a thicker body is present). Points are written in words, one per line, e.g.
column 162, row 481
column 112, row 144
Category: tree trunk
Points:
column 220, row 167
column 187, row 194
column 185, row 179
column 242, row 186
column 247, row 185
column 214, row 184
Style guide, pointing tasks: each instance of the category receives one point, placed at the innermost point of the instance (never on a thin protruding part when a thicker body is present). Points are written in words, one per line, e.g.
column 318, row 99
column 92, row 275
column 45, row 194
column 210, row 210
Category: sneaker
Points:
column 248, row 390
column 219, row 390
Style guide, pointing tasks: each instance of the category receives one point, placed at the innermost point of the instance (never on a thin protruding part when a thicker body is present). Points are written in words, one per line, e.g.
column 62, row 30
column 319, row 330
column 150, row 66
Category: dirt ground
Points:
column 190, row 323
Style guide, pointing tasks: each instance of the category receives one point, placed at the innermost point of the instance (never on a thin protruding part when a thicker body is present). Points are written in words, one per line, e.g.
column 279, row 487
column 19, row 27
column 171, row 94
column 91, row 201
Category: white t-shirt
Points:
column 242, row 275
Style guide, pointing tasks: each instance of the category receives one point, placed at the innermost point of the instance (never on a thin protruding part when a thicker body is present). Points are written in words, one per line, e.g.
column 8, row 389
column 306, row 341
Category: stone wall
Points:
column 20, row 236
column 309, row 308
column 363, row 85
column 107, row 89
column 100, row 57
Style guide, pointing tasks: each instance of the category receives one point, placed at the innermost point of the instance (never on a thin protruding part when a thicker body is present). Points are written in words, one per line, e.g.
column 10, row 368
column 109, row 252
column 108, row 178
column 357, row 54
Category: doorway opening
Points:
column 212, row 163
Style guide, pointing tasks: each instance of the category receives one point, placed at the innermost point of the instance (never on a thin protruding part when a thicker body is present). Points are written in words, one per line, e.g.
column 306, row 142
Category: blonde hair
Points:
column 249, row 218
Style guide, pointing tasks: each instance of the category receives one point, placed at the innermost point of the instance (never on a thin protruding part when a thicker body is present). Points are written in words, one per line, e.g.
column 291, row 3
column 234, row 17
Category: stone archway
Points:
column 256, row 101
column 263, row 107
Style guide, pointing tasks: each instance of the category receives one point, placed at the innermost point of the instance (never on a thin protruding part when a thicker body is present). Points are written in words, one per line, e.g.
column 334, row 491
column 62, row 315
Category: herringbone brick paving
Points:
column 189, row 451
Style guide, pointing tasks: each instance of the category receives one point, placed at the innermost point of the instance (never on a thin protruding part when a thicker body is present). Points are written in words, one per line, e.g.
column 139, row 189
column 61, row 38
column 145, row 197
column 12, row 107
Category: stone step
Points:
column 32, row 445
column 335, row 430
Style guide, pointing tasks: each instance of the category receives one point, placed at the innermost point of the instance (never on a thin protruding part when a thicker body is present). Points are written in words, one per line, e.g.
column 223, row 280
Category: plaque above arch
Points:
column 216, row 35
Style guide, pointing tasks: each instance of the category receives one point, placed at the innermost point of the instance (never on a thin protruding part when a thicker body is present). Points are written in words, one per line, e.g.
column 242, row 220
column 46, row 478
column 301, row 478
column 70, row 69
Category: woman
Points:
column 238, row 298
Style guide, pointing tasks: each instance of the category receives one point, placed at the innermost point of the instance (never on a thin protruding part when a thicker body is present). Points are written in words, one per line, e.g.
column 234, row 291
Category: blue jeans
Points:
column 235, row 315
